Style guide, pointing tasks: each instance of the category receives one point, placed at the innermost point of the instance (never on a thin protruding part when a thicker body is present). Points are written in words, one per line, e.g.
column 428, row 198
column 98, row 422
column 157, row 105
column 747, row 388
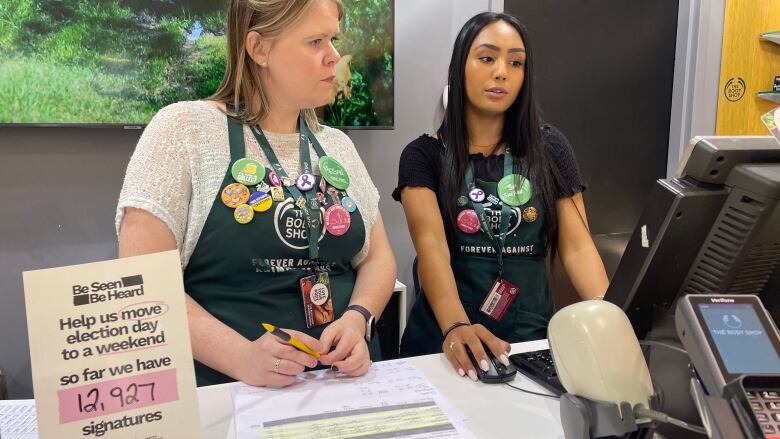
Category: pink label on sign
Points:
column 123, row 394
column 468, row 221
column 337, row 220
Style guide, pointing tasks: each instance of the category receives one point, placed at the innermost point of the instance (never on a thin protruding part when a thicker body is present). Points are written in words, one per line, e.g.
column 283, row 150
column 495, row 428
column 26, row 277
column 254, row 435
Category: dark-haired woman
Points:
column 486, row 200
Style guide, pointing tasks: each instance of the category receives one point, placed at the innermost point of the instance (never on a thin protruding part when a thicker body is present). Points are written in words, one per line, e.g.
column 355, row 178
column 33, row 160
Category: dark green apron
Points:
column 474, row 265
column 247, row 274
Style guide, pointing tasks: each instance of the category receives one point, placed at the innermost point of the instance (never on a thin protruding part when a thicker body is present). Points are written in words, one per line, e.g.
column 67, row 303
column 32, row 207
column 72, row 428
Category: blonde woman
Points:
column 274, row 215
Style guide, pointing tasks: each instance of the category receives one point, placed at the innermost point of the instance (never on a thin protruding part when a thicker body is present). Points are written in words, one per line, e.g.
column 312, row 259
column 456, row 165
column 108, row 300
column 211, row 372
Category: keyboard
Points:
column 538, row 365
column 765, row 404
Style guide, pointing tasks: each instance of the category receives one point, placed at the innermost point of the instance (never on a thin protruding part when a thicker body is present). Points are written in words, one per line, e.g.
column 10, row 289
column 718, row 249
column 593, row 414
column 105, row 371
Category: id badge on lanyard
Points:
column 315, row 288
column 502, row 293
column 317, row 300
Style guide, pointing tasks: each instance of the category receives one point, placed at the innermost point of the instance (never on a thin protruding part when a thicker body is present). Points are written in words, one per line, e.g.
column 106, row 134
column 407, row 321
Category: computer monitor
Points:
column 714, row 229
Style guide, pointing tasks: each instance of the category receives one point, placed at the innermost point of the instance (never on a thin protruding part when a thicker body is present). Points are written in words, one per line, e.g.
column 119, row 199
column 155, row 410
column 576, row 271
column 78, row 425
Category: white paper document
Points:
column 17, row 419
column 394, row 399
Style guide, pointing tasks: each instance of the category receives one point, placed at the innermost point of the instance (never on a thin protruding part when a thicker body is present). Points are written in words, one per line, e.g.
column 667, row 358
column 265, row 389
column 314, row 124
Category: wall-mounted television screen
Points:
column 117, row 62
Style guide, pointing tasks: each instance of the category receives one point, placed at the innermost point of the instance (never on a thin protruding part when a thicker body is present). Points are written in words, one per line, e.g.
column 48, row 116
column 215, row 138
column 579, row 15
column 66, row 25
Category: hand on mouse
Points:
column 473, row 336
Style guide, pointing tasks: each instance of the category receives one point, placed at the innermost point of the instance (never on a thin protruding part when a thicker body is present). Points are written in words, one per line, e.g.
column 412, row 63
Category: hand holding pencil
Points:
column 273, row 362
column 294, row 342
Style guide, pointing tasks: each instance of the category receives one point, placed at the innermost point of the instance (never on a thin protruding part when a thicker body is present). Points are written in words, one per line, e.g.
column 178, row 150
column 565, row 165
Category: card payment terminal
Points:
column 733, row 345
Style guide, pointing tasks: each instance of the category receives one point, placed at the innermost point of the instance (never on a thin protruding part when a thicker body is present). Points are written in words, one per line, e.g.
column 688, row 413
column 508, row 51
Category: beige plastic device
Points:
column 597, row 355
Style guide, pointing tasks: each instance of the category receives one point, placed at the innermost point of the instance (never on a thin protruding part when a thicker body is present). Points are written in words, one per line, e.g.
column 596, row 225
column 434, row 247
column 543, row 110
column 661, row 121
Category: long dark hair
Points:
column 522, row 131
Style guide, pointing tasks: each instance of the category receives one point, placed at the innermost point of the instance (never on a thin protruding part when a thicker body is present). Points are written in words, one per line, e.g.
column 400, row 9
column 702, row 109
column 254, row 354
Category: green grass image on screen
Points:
column 118, row 62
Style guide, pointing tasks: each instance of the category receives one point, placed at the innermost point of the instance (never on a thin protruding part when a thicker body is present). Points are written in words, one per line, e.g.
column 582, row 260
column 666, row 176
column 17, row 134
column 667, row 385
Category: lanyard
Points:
column 312, row 217
column 498, row 241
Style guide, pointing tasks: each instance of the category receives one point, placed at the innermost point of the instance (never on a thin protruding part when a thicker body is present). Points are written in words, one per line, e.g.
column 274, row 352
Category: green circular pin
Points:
column 334, row 172
column 248, row 171
column 514, row 190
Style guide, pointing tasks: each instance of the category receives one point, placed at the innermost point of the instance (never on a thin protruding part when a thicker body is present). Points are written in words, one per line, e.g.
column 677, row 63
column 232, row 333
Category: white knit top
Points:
column 184, row 153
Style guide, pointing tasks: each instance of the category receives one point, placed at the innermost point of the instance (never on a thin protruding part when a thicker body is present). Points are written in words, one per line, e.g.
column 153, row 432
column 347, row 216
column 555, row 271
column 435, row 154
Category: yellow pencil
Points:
column 294, row 342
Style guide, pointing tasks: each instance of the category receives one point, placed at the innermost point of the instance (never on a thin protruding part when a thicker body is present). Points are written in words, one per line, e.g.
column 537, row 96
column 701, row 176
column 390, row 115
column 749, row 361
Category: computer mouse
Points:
column 497, row 373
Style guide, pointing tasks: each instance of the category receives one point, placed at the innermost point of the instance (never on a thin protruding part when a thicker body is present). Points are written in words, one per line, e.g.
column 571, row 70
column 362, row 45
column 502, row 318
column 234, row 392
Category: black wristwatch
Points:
column 370, row 323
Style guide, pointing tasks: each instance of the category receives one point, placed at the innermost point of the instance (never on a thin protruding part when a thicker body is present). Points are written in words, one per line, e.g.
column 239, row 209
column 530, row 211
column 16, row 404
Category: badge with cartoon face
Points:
column 234, row 195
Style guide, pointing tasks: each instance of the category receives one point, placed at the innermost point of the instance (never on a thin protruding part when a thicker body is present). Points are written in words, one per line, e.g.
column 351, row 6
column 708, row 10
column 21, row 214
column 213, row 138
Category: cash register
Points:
column 712, row 229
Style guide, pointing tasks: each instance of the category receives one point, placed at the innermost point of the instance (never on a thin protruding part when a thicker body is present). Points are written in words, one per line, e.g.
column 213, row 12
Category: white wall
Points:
column 58, row 191
column 696, row 74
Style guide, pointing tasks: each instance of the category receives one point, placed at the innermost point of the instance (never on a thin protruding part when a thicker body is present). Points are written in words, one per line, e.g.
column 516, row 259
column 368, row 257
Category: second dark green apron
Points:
column 474, row 265
column 247, row 274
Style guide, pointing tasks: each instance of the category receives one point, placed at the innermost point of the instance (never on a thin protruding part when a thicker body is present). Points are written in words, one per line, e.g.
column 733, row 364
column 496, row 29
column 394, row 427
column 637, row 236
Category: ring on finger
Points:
column 452, row 345
column 276, row 365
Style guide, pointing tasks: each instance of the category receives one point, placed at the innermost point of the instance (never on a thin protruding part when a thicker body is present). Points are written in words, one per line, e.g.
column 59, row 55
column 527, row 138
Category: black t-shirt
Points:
column 420, row 164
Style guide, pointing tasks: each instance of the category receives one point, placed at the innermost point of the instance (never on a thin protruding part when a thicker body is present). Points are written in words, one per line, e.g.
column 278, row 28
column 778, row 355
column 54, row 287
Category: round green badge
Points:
column 334, row 172
column 248, row 171
column 514, row 190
